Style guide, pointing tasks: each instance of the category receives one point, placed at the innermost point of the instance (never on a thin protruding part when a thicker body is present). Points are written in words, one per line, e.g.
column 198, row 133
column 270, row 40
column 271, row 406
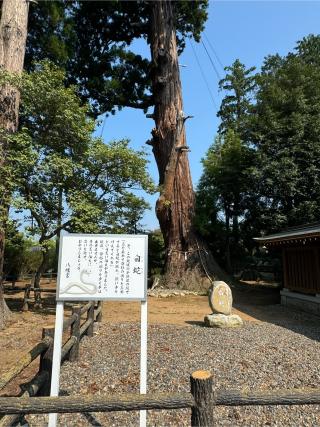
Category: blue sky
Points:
column 248, row 30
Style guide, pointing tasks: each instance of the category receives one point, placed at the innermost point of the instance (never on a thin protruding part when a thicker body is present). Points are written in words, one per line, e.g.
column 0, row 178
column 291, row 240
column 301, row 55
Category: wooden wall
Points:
column 301, row 268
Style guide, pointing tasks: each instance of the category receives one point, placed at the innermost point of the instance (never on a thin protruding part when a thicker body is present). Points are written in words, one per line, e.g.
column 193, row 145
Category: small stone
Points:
column 220, row 298
column 223, row 321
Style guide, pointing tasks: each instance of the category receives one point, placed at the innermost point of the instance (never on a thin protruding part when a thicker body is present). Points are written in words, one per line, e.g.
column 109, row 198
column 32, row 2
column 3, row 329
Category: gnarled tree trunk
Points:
column 175, row 206
column 13, row 34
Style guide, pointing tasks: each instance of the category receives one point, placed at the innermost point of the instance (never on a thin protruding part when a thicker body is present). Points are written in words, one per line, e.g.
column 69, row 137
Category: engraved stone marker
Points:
column 220, row 298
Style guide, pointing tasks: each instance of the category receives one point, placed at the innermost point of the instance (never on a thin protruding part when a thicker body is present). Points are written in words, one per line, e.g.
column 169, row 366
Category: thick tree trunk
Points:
column 13, row 34
column 175, row 206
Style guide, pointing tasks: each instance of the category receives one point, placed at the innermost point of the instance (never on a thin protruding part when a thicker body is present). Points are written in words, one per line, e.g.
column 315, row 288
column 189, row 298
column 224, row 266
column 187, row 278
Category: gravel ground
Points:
column 261, row 356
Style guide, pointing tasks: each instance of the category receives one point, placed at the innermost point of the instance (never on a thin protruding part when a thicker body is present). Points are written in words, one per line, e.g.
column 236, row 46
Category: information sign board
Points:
column 100, row 267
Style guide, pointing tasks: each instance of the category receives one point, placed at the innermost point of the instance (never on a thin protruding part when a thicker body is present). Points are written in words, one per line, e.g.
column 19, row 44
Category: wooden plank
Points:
column 72, row 404
column 285, row 269
column 24, row 361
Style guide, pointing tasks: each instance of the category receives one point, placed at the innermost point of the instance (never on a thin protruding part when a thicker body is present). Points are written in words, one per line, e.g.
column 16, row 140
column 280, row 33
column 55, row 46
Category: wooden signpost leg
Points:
column 56, row 361
column 143, row 358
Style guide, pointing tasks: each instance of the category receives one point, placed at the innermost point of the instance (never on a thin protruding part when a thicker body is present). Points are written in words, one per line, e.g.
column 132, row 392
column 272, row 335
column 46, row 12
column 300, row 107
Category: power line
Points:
column 211, row 61
column 104, row 122
column 214, row 51
column 203, row 76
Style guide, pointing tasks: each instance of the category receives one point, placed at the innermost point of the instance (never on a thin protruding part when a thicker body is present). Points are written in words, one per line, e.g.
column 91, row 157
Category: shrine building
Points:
column 300, row 249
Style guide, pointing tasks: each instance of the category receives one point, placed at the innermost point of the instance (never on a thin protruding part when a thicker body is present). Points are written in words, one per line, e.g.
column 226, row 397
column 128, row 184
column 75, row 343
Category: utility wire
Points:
column 214, row 51
column 103, row 125
column 203, row 76
column 211, row 61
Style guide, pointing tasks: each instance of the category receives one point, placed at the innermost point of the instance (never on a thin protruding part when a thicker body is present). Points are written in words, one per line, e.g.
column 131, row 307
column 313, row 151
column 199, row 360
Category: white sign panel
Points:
column 102, row 266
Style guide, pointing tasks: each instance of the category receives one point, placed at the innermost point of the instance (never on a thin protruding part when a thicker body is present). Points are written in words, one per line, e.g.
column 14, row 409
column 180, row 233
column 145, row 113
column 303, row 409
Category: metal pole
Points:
column 56, row 360
column 143, row 358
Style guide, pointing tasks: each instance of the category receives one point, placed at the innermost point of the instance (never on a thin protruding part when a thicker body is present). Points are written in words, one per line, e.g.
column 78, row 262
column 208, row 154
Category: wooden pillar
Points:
column 26, row 298
column 90, row 316
column 99, row 316
column 46, row 360
column 75, row 332
column 201, row 383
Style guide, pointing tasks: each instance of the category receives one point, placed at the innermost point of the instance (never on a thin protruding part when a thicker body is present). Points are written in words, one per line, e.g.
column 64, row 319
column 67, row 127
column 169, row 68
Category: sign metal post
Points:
column 143, row 358
column 56, row 360
column 101, row 267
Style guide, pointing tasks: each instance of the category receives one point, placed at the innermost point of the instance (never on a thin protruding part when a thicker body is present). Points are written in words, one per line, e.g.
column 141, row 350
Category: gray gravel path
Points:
column 257, row 356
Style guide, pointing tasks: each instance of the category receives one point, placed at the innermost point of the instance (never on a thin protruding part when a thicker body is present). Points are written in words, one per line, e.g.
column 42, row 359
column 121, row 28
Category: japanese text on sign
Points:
column 102, row 267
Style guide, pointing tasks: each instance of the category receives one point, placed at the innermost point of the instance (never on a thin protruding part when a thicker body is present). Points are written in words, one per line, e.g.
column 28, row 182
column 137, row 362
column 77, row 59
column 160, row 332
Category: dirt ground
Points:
column 26, row 328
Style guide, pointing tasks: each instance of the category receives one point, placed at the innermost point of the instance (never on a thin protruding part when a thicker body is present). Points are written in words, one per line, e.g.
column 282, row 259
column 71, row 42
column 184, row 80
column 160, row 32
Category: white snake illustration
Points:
column 83, row 285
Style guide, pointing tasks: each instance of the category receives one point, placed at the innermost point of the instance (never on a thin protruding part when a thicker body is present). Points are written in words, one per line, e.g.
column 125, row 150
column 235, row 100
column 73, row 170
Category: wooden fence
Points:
column 37, row 295
column 201, row 399
column 75, row 327
column 26, row 277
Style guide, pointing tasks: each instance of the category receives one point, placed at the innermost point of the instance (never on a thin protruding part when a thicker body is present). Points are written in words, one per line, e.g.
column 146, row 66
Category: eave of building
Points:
column 301, row 236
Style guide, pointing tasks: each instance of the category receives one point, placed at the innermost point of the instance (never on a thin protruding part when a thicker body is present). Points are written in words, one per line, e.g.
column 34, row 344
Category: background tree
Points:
column 285, row 130
column 16, row 245
column 239, row 85
column 224, row 187
column 13, row 33
column 226, row 184
column 279, row 129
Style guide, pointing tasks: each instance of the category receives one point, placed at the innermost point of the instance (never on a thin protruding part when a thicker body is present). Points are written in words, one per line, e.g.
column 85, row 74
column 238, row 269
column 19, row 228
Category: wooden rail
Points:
column 202, row 400
column 36, row 292
column 44, row 348
column 70, row 349
column 24, row 362
column 28, row 391
column 74, row 404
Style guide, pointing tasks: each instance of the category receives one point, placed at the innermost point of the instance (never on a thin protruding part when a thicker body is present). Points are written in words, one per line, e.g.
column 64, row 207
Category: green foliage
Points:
column 223, row 190
column 15, row 249
column 66, row 178
column 237, row 103
column 264, row 169
column 92, row 41
column 23, row 255
column 226, row 168
column 285, row 129
column 156, row 253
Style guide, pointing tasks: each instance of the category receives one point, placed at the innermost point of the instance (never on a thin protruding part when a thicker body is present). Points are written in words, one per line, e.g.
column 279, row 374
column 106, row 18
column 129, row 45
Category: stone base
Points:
column 303, row 302
column 223, row 321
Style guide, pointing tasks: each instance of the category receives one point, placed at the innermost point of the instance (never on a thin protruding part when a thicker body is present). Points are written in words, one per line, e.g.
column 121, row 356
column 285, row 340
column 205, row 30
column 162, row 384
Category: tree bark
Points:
column 175, row 206
column 13, row 35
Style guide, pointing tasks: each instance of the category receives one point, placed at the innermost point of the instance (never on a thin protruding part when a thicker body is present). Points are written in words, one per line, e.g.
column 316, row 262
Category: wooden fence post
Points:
column 90, row 315
column 99, row 316
column 75, row 331
column 46, row 360
column 201, row 383
column 26, row 298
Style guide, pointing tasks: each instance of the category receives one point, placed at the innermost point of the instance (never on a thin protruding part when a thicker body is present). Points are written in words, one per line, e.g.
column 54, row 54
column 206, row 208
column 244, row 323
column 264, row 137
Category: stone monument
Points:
column 220, row 301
